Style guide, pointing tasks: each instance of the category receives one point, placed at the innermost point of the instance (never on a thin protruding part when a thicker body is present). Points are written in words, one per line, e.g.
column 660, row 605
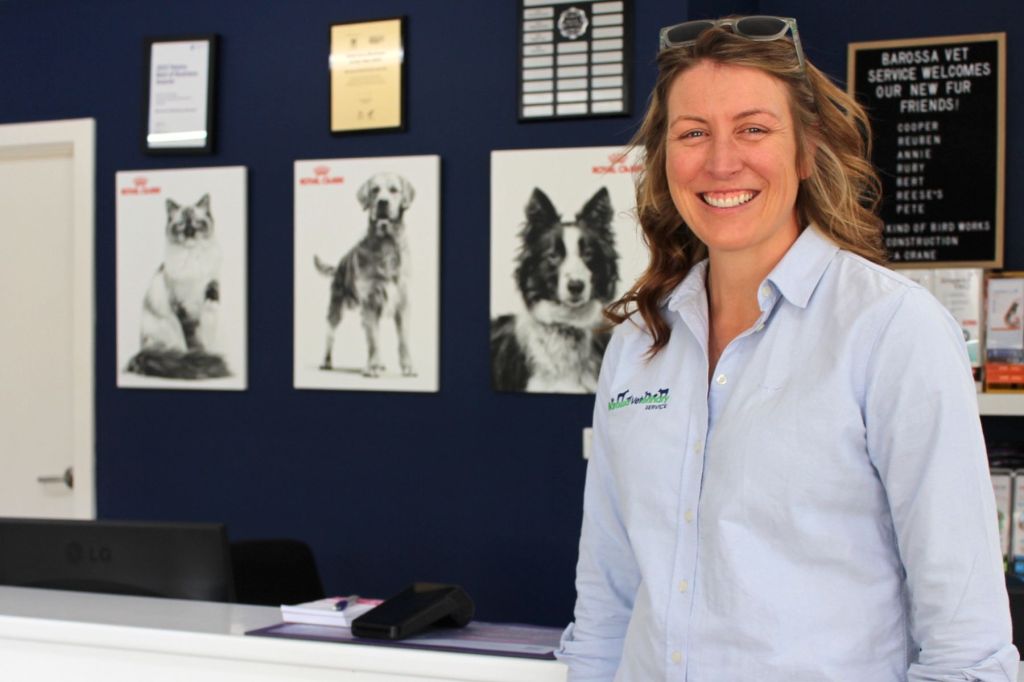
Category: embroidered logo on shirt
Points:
column 650, row 401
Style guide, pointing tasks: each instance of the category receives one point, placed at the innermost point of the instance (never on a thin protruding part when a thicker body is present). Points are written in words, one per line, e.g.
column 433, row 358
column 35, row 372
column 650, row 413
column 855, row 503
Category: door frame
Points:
column 75, row 138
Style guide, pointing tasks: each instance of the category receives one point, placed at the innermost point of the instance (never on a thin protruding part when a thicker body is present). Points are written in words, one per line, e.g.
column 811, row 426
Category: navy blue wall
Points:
column 467, row 485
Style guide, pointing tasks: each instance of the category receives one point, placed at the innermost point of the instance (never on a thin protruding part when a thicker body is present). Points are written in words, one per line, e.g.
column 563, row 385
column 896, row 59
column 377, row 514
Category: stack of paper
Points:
column 337, row 611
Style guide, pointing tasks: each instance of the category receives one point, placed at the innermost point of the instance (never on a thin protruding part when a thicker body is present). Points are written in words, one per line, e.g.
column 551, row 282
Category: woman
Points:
column 788, row 478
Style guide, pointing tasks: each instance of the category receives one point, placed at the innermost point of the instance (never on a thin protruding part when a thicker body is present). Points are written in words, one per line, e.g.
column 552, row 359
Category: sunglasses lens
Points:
column 688, row 32
column 761, row 27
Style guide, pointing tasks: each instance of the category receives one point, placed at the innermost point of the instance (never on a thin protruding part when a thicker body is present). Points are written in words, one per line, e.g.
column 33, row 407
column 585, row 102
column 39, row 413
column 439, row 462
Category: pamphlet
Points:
column 961, row 291
column 1002, row 487
column 332, row 611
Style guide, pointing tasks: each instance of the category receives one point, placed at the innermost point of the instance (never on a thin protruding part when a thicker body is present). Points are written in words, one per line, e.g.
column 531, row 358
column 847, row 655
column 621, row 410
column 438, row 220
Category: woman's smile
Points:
column 727, row 199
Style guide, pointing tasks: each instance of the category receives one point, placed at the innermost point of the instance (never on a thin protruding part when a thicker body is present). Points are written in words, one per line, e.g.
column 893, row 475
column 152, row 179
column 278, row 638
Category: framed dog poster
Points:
column 564, row 244
column 367, row 261
column 181, row 278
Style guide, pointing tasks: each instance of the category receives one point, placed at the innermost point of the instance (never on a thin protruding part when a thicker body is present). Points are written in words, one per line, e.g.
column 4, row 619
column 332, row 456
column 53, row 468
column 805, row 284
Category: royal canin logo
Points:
column 322, row 176
column 139, row 187
column 617, row 163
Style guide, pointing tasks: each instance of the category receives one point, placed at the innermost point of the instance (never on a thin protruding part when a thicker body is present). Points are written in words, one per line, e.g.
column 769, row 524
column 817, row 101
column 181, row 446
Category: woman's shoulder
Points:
column 888, row 296
column 630, row 333
column 630, row 343
column 868, row 281
column 878, row 278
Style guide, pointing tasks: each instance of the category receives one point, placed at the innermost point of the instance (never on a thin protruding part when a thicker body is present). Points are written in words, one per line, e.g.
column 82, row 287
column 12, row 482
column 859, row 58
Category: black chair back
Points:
column 272, row 572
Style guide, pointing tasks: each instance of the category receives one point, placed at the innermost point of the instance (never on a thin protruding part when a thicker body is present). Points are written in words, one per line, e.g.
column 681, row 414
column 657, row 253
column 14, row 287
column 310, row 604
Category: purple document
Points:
column 497, row 639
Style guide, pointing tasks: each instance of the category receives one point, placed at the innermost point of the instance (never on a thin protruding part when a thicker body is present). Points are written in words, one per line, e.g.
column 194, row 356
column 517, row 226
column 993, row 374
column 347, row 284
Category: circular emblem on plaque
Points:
column 572, row 23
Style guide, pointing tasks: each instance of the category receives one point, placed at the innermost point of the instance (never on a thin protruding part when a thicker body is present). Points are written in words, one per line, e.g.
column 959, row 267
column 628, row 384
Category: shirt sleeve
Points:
column 924, row 437
column 606, row 573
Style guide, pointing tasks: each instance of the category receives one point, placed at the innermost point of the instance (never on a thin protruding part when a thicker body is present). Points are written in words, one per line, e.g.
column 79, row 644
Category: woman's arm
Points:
column 606, row 574
column 924, row 437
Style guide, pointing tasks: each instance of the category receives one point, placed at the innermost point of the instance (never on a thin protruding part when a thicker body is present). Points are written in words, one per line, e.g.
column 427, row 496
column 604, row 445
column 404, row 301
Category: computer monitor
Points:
column 175, row 560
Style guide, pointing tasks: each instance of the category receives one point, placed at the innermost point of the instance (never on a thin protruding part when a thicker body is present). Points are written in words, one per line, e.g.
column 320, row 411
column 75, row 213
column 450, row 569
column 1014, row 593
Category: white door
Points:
column 47, row 178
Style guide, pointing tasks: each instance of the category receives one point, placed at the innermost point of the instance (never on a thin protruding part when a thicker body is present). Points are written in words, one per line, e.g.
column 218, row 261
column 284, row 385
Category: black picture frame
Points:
column 538, row 40
column 938, row 113
column 206, row 146
column 401, row 125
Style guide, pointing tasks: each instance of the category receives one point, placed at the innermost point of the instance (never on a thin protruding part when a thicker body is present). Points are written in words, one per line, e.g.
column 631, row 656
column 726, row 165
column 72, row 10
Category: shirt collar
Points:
column 692, row 288
column 798, row 273
column 795, row 276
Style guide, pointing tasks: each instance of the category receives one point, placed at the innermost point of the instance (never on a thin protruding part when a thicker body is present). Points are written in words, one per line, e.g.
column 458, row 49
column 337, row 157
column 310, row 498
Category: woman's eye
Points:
column 754, row 130
column 688, row 135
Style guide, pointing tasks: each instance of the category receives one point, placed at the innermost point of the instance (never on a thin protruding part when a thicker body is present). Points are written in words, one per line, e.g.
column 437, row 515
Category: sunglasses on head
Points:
column 762, row 28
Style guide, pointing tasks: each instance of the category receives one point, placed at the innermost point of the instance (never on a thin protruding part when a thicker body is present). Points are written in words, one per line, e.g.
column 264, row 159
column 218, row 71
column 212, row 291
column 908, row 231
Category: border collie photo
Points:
column 566, row 273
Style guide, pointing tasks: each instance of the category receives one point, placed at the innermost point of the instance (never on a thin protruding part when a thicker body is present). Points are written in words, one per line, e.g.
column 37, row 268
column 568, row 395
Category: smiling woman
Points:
column 838, row 190
column 811, row 498
column 731, row 162
column 732, row 172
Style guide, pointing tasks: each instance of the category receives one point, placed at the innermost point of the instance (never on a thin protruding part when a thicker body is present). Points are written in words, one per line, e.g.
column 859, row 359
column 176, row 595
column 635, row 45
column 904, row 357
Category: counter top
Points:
column 50, row 634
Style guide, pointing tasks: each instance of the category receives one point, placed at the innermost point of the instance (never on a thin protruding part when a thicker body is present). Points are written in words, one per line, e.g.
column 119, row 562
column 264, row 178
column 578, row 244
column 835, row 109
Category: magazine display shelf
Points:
column 1001, row 404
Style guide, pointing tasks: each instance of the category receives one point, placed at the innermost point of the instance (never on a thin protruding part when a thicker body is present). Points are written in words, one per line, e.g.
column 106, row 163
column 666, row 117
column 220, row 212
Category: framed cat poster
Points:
column 367, row 262
column 181, row 278
column 564, row 244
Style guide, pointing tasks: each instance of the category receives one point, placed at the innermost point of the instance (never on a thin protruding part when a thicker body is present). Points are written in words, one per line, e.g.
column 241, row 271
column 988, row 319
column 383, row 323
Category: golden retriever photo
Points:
column 372, row 276
column 366, row 259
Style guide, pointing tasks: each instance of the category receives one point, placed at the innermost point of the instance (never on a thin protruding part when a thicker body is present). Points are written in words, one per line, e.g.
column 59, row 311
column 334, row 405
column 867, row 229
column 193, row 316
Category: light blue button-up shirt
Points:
column 821, row 509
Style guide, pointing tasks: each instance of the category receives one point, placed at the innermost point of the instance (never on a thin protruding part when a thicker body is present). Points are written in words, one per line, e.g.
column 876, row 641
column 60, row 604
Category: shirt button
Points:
column 759, row 327
column 720, row 379
column 698, row 447
column 688, row 516
column 683, row 586
column 677, row 657
column 766, row 291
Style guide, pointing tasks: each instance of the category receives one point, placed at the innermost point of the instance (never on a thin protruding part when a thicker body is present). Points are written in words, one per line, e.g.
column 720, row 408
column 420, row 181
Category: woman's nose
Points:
column 723, row 157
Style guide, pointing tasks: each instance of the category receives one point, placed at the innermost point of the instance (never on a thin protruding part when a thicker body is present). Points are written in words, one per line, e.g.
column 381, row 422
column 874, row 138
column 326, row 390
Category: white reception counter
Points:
column 51, row 635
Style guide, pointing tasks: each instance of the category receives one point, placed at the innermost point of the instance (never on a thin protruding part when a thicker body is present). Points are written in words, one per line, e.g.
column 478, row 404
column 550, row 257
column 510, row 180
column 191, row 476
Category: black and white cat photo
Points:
column 180, row 311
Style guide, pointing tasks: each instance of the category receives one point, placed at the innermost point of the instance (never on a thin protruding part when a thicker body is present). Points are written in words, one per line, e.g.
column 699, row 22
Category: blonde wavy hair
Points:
column 840, row 195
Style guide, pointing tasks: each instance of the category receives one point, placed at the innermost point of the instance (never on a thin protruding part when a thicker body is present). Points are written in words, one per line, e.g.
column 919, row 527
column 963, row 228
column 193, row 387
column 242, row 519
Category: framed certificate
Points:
column 367, row 66
column 179, row 89
column 575, row 58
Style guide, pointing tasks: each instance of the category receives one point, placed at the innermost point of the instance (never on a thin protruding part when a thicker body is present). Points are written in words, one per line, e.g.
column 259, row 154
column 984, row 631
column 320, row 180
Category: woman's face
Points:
column 731, row 160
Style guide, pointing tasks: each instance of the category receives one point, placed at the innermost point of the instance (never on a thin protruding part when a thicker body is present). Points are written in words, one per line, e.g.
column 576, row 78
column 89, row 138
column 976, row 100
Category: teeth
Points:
column 728, row 201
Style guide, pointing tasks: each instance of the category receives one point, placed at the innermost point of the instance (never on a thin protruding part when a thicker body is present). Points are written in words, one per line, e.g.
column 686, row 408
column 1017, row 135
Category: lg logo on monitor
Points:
column 77, row 554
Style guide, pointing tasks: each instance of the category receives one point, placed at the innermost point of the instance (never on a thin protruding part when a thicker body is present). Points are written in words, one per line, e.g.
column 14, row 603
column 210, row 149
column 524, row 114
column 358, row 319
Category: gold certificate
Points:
column 366, row 75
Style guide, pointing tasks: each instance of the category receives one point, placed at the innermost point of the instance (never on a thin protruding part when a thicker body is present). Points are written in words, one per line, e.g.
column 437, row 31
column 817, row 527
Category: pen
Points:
column 342, row 604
